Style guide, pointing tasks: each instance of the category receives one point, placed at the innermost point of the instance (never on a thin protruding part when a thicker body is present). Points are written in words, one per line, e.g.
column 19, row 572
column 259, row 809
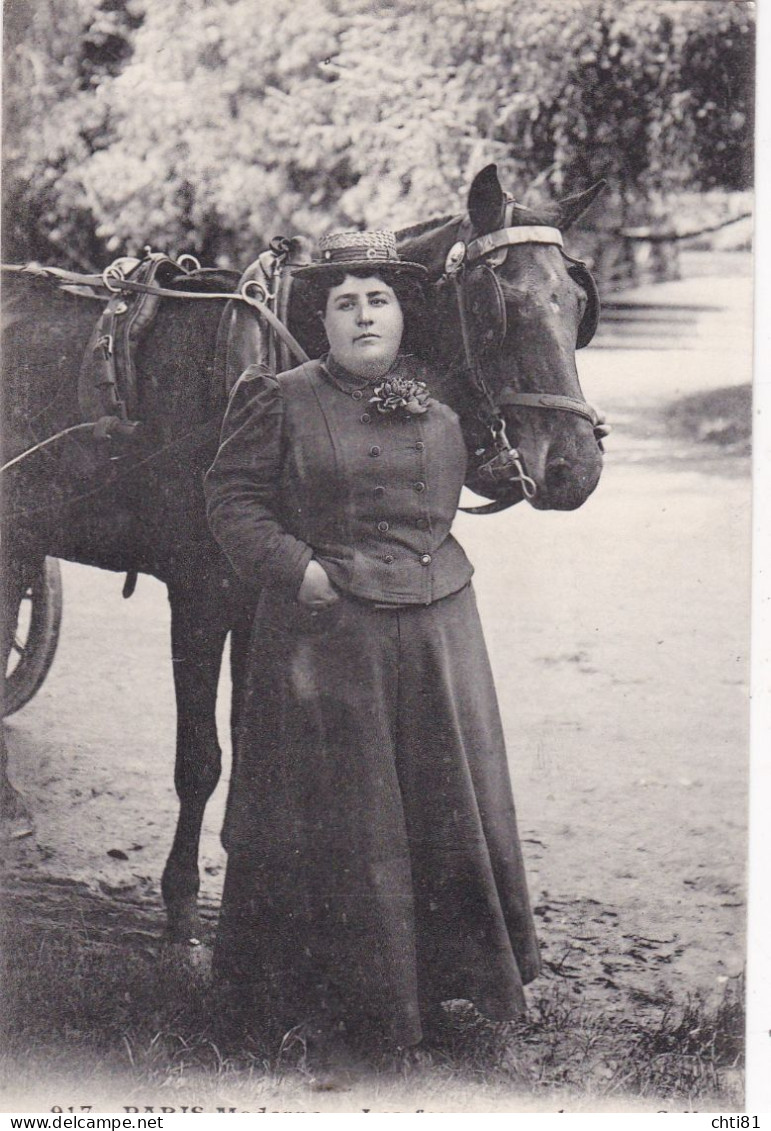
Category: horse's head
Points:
column 507, row 311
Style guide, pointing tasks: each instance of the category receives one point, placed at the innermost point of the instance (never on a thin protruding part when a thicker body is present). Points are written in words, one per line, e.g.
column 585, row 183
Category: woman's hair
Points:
column 312, row 294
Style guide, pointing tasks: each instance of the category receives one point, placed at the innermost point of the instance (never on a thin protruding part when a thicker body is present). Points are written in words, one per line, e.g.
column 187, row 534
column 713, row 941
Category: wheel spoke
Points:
column 33, row 639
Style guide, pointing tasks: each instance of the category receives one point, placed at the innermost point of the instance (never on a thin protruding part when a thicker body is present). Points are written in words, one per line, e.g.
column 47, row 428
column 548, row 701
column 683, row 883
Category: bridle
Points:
column 480, row 257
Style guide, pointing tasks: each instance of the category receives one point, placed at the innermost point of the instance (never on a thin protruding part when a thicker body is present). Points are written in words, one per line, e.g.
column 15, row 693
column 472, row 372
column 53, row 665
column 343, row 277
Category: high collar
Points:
column 347, row 381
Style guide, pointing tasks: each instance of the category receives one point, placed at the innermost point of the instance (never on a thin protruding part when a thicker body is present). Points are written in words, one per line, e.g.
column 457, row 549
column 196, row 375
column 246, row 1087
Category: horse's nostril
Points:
column 568, row 483
column 558, row 472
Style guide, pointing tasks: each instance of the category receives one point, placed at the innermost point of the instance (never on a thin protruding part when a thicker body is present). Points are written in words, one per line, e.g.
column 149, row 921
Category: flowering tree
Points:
column 212, row 125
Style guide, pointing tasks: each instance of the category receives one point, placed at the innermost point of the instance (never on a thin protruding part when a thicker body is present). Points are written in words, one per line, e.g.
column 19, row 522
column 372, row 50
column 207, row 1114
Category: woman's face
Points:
column 364, row 325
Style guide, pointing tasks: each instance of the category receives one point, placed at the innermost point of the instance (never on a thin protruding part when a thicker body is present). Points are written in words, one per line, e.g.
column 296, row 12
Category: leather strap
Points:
column 491, row 508
column 476, row 249
column 61, row 276
column 256, row 304
column 508, row 237
column 549, row 400
column 57, row 274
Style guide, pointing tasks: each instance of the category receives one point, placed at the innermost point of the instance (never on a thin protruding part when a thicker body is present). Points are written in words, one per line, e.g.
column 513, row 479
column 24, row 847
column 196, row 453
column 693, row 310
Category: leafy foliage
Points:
column 212, row 125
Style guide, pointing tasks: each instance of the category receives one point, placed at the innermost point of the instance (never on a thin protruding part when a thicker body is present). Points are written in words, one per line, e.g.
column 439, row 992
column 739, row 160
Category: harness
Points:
column 107, row 388
column 267, row 281
column 470, row 269
column 133, row 288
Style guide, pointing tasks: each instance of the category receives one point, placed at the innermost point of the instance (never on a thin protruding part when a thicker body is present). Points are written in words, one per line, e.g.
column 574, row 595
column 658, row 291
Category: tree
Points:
column 53, row 51
column 212, row 125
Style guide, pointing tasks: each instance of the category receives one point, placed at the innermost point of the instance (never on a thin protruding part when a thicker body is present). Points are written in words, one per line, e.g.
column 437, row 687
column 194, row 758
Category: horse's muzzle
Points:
column 567, row 483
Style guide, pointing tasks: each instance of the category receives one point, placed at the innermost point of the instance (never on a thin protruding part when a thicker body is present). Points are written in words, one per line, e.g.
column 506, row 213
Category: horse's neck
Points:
column 44, row 338
column 429, row 243
column 442, row 343
column 451, row 384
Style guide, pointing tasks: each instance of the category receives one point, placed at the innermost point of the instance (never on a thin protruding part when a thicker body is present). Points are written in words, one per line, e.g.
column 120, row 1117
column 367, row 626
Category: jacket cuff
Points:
column 286, row 568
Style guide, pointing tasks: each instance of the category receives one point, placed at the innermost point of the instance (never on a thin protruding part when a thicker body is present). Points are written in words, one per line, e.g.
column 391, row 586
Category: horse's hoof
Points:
column 17, row 829
column 15, row 819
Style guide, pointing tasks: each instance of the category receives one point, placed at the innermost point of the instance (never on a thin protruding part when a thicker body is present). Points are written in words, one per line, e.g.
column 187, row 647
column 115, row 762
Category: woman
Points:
column 374, row 868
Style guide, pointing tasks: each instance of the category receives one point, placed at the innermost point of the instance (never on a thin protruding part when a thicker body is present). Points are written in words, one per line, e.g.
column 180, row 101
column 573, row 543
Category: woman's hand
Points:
column 316, row 590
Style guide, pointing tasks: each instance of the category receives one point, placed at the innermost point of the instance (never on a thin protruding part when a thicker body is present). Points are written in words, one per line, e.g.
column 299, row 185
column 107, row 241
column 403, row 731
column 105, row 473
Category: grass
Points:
column 150, row 1022
column 722, row 417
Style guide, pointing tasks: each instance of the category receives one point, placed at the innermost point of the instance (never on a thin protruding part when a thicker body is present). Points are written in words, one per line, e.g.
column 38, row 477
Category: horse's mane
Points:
column 522, row 216
column 423, row 227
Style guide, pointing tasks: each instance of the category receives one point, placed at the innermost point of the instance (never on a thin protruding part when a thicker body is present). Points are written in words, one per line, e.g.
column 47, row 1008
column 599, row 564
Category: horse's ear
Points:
column 567, row 211
column 486, row 201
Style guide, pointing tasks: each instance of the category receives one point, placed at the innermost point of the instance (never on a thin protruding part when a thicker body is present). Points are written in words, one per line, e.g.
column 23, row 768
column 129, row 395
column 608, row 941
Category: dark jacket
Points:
column 307, row 467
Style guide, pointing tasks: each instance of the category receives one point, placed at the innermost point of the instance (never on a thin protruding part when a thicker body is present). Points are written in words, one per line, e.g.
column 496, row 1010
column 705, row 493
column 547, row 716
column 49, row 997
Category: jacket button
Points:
column 365, row 418
column 382, row 527
column 357, row 394
column 419, row 446
column 422, row 523
column 378, row 492
column 419, row 486
column 389, row 559
column 374, row 450
column 425, row 559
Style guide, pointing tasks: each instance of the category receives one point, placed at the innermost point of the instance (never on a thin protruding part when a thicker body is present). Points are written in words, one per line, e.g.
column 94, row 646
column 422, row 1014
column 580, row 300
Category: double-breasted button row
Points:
column 424, row 559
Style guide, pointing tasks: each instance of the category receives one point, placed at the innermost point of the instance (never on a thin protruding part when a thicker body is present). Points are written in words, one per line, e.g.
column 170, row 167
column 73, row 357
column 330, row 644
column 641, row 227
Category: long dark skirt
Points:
column 374, row 867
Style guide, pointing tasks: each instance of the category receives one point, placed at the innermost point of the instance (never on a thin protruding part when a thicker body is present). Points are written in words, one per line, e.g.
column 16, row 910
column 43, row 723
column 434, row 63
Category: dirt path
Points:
column 619, row 638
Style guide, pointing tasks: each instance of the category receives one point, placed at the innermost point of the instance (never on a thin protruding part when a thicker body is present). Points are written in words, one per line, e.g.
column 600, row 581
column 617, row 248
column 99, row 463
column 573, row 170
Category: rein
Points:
column 506, row 464
column 113, row 281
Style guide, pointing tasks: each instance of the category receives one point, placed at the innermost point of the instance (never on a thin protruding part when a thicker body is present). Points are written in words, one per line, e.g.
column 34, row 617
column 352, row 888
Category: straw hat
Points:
column 375, row 250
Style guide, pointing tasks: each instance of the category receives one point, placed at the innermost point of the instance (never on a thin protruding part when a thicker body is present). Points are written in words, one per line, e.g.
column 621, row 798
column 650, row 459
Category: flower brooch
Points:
column 401, row 395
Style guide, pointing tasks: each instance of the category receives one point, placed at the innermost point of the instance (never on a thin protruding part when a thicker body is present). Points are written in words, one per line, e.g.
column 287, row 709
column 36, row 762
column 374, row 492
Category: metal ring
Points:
column 112, row 272
column 183, row 259
column 263, row 293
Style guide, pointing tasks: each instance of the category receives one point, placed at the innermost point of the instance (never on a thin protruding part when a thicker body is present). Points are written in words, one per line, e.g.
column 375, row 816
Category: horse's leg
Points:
column 240, row 637
column 14, row 574
column 198, row 630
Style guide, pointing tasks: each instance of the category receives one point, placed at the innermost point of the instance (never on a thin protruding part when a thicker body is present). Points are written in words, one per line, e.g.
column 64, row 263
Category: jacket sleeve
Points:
column 243, row 484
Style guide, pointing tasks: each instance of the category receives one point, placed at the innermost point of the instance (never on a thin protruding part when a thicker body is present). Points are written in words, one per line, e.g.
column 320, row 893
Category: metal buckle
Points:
column 455, row 258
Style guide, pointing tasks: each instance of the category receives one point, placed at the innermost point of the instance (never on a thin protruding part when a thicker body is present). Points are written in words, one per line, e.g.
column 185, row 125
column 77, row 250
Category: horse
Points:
column 512, row 308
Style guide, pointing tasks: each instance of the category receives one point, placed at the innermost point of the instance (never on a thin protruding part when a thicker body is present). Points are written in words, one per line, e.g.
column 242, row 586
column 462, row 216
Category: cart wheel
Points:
column 36, row 636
